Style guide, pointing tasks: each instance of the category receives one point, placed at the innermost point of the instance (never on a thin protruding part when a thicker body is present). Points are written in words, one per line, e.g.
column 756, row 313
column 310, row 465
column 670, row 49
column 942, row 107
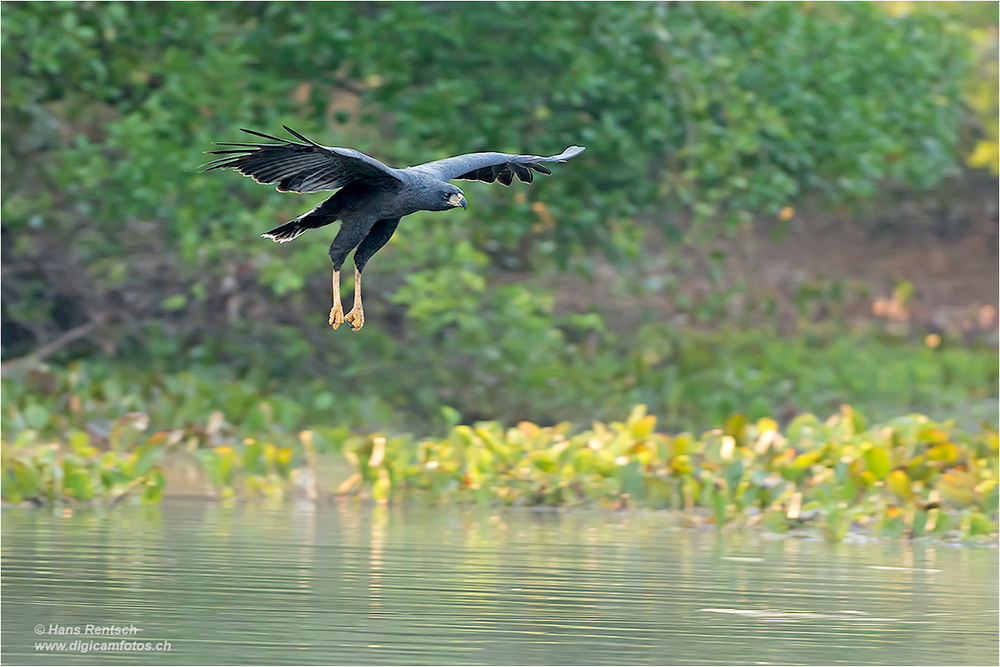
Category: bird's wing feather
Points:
column 490, row 167
column 299, row 167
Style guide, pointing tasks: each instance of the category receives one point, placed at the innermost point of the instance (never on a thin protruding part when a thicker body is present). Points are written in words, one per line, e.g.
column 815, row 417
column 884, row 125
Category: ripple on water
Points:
column 345, row 585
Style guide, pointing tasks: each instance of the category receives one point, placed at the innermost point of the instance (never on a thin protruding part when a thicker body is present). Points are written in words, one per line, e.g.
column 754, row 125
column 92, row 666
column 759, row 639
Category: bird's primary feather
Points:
column 299, row 167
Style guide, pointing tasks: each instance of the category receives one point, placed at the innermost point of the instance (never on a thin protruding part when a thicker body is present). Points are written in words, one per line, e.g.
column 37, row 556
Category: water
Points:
column 347, row 585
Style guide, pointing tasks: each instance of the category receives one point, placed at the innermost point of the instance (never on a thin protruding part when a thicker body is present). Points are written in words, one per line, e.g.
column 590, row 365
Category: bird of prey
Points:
column 371, row 197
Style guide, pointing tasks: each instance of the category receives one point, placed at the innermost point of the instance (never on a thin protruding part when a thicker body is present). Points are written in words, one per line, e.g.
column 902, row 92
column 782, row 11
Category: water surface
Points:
column 347, row 585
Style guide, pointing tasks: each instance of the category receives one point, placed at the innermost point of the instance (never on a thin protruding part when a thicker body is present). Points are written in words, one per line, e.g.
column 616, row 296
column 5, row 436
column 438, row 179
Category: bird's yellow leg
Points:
column 356, row 318
column 337, row 312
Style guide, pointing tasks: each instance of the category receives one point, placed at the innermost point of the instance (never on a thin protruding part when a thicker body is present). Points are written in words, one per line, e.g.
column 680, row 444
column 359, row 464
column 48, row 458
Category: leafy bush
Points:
column 692, row 379
column 718, row 111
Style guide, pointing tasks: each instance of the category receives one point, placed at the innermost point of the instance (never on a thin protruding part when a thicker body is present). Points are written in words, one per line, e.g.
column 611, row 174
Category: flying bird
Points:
column 371, row 197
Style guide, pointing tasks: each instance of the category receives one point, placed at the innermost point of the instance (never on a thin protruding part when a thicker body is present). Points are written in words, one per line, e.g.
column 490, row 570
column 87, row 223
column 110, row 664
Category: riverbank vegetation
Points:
column 94, row 439
column 907, row 477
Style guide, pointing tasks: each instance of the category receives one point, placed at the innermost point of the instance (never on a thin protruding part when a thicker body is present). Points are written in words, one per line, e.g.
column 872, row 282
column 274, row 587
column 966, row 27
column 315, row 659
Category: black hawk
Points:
column 372, row 197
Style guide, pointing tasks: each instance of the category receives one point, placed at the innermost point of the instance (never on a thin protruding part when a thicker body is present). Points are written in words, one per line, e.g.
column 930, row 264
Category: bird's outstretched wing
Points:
column 489, row 167
column 299, row 167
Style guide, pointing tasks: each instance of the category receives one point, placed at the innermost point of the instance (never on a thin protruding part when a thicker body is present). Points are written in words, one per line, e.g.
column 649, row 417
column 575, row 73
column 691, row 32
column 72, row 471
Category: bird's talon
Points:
column 356, row 318
column 336, row 316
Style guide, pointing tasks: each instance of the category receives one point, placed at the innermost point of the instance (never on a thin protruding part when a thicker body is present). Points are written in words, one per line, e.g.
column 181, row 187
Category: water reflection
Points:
column 341, row 584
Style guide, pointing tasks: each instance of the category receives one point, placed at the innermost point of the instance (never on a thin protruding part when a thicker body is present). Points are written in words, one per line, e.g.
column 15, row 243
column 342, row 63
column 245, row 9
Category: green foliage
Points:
column 693, row 379
column 75, row 470
column 978, row 21
column 264, row 468
column 909, row 476
column 52, row 454
column 717, row 111
column 708, row 112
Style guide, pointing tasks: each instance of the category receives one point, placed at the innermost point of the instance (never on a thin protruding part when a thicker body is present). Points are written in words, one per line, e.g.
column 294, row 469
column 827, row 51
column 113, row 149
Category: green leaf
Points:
column 152, row 490
column 175, row 302
column 719, row 504
column 35, row 416
column 878, row 462
column 147, row 455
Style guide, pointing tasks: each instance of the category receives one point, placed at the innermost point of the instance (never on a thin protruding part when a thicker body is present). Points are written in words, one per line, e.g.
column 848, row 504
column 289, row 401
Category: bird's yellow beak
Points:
column 457, row 200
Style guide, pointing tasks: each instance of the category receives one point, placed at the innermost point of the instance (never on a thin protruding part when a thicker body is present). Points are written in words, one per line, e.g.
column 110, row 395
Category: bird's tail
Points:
column 323, row 214
column 288, row 231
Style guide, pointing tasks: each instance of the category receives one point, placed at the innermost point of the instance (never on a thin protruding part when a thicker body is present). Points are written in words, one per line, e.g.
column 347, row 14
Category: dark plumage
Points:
column 372, row 197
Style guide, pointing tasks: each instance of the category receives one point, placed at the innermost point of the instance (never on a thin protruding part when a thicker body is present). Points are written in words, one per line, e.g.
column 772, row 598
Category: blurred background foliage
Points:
column 146, row 282
column 978, row 22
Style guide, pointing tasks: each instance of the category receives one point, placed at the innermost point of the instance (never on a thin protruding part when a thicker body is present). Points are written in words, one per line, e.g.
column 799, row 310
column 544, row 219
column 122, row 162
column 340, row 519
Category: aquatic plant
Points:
column 907, row 477
column 45, row 472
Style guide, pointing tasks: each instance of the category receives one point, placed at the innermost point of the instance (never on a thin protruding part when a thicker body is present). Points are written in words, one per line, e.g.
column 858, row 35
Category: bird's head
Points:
column 450, row 197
